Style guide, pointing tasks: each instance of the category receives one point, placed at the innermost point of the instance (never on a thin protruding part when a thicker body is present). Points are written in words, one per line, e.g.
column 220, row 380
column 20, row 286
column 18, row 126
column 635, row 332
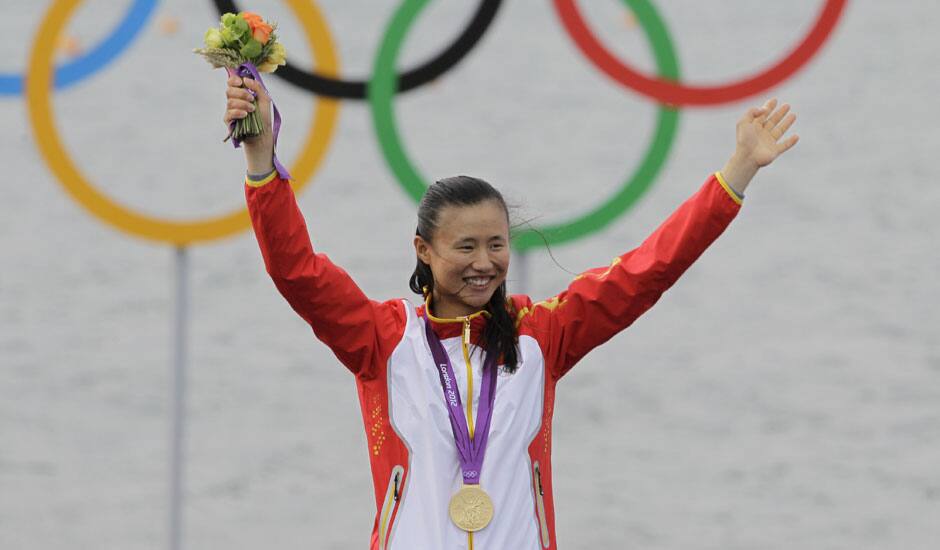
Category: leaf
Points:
column 251, row 49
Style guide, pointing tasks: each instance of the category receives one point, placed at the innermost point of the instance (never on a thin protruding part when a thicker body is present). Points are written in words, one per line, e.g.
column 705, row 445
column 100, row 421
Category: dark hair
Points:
column 499, row 336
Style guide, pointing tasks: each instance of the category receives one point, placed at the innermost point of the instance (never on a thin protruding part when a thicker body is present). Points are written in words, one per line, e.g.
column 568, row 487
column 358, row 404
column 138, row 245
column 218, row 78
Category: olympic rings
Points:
column 135, row 223
column 382, row 89
column 380, row 92
column 409, row 80
column 95, row 60
column 674, row 93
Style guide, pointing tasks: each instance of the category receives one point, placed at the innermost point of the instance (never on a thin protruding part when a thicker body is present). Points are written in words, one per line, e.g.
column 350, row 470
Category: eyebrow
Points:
column 473, row 239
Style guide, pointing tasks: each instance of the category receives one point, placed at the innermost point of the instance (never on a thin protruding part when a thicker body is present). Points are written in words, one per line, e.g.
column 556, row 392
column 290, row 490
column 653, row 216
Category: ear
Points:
column 422, row 249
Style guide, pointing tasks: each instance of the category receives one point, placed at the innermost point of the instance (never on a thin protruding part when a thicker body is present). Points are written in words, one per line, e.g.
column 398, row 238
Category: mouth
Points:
column 478, row 283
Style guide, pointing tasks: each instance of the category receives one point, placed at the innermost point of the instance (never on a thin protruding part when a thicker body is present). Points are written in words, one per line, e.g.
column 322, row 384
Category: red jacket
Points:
column 414, row 462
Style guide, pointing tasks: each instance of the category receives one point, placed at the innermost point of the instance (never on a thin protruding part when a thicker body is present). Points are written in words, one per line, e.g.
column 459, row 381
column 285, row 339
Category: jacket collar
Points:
column 449, row 327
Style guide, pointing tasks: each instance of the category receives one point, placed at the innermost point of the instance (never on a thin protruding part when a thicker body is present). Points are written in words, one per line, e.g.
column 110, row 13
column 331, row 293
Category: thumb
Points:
column 752, row 114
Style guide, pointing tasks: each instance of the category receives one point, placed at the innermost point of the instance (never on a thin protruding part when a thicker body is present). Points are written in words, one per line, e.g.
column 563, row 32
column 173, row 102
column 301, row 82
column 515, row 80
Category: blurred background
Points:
column 785, row 393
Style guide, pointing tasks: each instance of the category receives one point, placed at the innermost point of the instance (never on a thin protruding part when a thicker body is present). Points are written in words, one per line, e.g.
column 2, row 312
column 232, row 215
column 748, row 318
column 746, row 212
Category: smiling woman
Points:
column 463, row 238
column 462, row 245
column 457, row 394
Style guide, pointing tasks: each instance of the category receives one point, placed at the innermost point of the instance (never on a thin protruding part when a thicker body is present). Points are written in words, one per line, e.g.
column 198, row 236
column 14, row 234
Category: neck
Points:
column 445, row 309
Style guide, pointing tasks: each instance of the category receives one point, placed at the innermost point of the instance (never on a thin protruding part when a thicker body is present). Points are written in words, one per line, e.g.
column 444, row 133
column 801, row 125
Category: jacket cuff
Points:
column 257, row 180
column 735, row 196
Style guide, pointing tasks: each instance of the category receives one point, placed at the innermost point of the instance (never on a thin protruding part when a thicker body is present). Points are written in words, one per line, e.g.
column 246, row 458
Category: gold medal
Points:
column 471, row 508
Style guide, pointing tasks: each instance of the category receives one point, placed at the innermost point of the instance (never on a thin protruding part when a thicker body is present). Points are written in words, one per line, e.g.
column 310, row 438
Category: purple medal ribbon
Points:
column 245, row 70
column 470, row 450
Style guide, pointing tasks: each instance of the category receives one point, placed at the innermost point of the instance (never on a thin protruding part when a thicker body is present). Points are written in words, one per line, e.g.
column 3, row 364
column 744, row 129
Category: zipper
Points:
column 540, row 503
column 397, row 494
column 466, row 358
column 469, row 394
column 392, row 496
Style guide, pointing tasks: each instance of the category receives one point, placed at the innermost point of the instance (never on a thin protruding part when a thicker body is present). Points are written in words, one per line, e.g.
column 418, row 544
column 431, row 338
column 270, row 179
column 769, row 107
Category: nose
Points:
column 482, row 261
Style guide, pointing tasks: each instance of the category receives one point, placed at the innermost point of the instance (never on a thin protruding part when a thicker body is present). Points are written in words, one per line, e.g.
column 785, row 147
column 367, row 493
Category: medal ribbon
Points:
column 245, row 70
column 470, row 450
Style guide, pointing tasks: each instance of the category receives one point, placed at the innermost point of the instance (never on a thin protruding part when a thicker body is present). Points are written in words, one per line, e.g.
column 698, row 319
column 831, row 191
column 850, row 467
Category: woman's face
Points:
column 468, row 255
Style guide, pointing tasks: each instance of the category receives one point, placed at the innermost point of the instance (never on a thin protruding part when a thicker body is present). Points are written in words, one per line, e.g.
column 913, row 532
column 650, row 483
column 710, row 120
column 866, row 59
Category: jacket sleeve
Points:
column 361, row 332
column 601, row 302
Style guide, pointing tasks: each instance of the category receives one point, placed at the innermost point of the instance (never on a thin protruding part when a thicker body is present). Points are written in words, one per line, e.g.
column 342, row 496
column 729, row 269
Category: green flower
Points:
column 213, row 39
column 235, row 30
column 241, row 26
column 251, row 49
column 230, row 36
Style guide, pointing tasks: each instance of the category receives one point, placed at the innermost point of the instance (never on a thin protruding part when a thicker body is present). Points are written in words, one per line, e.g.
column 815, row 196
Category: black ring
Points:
column 409, row 80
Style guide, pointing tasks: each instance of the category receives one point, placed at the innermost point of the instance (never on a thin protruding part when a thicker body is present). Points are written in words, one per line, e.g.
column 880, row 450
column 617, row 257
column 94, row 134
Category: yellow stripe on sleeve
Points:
column 731, row 192
column 258, row 183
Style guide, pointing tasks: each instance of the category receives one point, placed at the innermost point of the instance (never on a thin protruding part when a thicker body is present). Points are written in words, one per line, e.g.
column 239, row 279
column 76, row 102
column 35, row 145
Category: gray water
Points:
column 785, row 394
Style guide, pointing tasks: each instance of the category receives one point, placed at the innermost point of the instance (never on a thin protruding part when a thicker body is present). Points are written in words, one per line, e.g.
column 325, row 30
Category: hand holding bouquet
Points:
column 246, row 45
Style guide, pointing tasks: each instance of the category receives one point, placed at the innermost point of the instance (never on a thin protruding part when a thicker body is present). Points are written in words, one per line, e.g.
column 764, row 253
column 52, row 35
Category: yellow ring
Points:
column 38, row 87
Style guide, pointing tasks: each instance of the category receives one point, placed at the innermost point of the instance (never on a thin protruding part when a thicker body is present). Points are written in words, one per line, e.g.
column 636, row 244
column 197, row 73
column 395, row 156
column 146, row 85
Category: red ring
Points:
column 673, row 93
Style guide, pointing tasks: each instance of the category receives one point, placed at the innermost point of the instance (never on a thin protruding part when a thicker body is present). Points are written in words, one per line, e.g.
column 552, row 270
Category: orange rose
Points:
column 262, row 33
column 260, row 30
column 251, row 18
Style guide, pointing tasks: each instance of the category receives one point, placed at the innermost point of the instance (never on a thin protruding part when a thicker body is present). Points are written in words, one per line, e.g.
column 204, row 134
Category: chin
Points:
column 478, row 300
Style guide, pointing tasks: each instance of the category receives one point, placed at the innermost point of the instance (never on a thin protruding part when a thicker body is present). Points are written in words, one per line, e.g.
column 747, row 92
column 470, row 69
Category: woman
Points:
column 457, row 394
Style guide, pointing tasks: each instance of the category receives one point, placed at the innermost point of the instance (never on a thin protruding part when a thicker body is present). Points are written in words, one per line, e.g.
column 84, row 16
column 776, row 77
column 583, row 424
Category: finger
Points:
column 786, row 145
column 240, row 104
column 782, row 128
column 768, row 108
column 777, row 116
column 256, row 87
column 234, row 80
column 752, row 114
column 233, row 114
column 239, row 93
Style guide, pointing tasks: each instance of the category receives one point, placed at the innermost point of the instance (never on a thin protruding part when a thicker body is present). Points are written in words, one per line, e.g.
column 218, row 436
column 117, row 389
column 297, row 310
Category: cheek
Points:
column 501, row 259
column 446, row 262
column 450, row 270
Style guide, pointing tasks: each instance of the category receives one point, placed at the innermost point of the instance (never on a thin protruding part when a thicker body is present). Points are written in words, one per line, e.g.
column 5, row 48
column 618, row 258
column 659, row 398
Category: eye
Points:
column 497, row 246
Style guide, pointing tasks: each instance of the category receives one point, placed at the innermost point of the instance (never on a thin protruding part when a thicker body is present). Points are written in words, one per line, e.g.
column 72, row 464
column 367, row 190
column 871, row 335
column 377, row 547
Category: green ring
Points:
column 381, row 91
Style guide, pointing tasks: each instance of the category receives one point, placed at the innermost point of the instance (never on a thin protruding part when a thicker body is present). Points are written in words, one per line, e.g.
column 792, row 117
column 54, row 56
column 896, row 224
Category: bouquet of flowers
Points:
column 245, row 44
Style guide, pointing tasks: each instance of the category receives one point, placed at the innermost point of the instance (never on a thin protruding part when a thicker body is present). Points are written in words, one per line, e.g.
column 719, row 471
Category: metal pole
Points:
column 177, row 438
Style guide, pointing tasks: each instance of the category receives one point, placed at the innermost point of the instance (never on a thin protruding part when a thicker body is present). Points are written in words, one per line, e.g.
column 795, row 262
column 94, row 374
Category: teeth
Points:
column 478, row 281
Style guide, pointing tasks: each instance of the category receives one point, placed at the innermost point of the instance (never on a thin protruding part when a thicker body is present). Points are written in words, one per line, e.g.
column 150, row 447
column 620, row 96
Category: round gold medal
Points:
column 471, row 508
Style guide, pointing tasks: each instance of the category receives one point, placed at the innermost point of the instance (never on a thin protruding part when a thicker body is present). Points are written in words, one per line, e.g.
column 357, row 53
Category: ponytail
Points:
column 500, row 336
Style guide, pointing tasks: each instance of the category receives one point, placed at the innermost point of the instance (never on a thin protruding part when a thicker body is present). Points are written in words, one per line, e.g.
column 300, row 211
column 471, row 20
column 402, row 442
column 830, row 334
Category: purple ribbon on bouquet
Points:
column 245, row 70
column 470, row 450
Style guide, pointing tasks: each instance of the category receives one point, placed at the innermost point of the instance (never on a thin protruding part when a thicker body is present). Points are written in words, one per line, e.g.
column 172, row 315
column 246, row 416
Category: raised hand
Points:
column 259, row 150
column 759, row 137
column 760, row 130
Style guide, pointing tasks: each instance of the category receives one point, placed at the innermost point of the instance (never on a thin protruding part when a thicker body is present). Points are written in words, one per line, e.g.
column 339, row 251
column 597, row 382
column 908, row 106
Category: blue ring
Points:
column 95, row 60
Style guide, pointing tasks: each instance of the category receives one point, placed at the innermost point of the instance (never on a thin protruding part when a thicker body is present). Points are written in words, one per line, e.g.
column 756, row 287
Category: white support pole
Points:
column 177, row 439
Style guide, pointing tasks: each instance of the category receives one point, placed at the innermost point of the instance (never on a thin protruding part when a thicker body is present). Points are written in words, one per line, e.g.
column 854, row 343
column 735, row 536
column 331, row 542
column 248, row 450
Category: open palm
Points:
column 760, row 131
